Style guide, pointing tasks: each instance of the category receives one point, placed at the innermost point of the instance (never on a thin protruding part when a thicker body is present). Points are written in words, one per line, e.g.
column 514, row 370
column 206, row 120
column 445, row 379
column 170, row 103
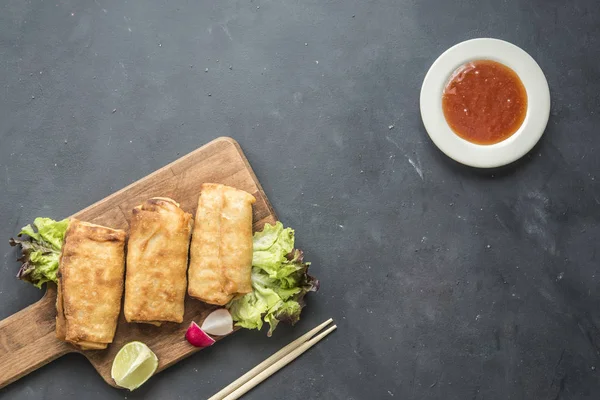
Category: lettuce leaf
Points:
column 41, row 250
column 280, row 281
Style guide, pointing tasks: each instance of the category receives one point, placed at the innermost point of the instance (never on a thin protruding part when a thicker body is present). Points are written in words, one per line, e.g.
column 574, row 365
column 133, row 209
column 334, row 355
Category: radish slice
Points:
column 218, row 322
column 197, row 337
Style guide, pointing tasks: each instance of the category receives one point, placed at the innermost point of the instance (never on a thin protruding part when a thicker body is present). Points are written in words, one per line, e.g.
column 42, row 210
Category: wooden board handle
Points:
column 28, row 341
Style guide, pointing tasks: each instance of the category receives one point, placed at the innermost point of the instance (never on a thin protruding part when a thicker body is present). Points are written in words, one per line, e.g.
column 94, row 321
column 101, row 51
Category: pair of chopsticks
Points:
column 265, row 369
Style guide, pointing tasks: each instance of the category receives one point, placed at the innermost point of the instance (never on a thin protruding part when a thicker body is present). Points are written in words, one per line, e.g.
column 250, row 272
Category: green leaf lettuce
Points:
column 40, row 250
column 280, row 281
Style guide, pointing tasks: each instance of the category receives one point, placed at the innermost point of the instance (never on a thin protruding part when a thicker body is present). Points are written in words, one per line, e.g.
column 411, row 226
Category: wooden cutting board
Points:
column 27, row 338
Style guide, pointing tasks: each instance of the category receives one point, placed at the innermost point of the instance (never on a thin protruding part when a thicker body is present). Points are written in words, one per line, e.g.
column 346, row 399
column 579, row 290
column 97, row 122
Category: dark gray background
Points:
column 446, row 282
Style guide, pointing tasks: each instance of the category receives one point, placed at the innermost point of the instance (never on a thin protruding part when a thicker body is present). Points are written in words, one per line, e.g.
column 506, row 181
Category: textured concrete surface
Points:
column 446, row 282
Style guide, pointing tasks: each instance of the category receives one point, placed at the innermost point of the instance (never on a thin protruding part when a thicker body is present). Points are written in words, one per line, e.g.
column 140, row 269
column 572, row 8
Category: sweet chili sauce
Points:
column 484, row 102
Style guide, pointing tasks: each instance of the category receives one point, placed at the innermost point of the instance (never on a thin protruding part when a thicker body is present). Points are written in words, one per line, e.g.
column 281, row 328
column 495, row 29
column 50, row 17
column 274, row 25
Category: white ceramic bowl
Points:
column 515, row 146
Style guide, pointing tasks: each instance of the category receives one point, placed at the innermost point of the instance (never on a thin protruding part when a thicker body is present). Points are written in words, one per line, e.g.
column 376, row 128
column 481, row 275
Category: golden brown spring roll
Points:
column 221, row 248
column 157, row 259
column 90, row 284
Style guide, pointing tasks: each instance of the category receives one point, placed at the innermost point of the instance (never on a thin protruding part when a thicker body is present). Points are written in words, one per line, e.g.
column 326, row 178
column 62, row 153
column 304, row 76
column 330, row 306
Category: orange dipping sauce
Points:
column 484, row 102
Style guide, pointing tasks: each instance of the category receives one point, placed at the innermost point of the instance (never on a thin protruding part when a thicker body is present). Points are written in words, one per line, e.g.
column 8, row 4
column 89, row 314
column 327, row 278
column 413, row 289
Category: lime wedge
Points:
column 133, row 365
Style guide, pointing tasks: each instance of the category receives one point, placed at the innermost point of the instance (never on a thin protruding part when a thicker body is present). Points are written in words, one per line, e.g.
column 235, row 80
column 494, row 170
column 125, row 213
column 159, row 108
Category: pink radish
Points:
column 197, row 337
column 218, row 322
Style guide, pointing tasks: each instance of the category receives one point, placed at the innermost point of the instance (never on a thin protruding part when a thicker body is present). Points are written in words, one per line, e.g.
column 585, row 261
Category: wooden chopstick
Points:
column 277, row 365
column 268, row 362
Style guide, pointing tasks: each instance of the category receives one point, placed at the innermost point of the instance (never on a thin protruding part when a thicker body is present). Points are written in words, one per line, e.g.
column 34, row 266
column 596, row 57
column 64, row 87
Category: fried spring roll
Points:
column 157, row 258
column 221, row 248
column 90, row 284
